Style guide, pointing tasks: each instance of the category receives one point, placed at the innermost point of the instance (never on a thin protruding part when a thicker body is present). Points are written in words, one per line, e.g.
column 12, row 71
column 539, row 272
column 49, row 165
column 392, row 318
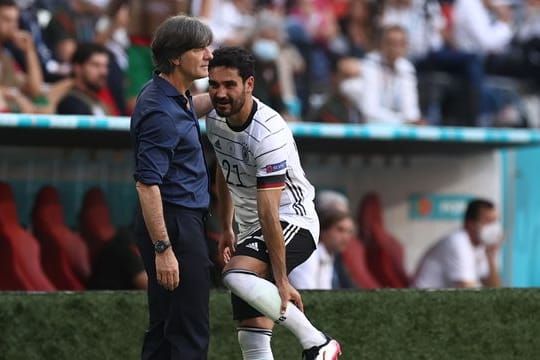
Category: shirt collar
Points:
column 167, row 88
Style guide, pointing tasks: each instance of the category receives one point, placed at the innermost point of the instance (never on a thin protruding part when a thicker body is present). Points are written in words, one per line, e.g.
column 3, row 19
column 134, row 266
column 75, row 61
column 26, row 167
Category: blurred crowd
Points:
column 438, row 62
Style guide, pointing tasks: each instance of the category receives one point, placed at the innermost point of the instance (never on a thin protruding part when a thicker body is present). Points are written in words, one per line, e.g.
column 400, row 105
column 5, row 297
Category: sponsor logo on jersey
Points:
column 276, row 167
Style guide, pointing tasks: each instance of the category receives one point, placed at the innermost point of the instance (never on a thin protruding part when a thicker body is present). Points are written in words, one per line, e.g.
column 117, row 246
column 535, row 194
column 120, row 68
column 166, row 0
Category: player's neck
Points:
column 243, row 115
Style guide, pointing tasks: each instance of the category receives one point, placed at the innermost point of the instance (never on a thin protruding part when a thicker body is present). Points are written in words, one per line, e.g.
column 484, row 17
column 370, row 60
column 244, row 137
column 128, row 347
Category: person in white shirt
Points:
column 423, row 21
column 474, row 29
column 391, row 94
column 466, row 258
column 232, row 21
column 317, row 272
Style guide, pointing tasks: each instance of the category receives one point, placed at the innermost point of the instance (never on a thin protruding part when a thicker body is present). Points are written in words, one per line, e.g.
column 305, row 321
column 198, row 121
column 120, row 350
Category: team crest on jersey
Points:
column 245, row 152
column 276, row 167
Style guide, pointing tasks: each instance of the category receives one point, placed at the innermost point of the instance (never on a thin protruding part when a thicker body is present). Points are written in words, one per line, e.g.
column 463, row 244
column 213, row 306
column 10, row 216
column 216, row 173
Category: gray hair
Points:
column 330, row 200
column 175, row 36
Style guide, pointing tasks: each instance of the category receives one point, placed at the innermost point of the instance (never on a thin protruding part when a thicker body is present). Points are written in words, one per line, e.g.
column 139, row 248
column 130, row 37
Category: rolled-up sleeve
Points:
column 156, row 139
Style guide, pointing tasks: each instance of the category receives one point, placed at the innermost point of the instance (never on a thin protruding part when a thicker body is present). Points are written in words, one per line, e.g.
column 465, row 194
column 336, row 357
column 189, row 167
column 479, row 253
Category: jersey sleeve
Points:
column 271, row 162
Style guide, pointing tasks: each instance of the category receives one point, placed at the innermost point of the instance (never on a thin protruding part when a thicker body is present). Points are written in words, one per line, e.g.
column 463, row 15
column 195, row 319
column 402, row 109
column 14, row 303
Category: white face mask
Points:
column 120, row 36
column 265, row 50
column 491, row 233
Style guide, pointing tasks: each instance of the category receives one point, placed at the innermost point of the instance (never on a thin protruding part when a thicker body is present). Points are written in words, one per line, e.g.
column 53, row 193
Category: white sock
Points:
column 255, row 343
column 264, row 296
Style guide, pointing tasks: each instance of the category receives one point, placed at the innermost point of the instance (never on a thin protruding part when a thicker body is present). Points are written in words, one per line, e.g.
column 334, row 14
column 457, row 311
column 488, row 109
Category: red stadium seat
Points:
column 384, row 252
column 95, row 221
column 65, row 256
column 20, row 265
column 354, row 260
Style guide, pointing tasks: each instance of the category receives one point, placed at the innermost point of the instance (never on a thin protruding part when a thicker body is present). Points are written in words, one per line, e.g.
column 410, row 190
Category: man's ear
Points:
column 176, row 61
column 250, row 84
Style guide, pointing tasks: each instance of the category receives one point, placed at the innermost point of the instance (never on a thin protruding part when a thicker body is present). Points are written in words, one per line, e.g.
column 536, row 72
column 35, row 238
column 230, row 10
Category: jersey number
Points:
column 227, row 167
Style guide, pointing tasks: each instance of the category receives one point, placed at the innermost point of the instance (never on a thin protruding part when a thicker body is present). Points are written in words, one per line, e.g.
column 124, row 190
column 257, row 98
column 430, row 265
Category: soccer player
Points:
column 260, row 180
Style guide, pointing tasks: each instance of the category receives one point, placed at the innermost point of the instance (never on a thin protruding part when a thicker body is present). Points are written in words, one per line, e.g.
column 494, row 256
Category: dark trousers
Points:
column 179, row 320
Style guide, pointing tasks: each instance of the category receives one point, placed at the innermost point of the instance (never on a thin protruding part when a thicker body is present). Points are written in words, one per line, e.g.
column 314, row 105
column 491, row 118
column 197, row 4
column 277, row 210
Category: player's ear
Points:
column 250, row 83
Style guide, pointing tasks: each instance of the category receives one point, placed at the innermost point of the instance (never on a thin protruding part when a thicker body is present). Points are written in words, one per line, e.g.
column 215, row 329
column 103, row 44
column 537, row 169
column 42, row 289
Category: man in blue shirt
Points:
column 172, row 184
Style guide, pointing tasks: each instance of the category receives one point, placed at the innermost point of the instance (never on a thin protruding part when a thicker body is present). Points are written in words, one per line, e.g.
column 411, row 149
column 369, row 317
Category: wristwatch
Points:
column 161, row 245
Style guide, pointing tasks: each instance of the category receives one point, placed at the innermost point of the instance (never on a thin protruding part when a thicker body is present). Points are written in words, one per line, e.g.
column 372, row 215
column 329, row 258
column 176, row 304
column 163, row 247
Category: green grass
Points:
column 487, row 324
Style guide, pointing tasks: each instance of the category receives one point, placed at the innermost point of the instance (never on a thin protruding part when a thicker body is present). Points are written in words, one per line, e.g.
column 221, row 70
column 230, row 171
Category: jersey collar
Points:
column 248, row 121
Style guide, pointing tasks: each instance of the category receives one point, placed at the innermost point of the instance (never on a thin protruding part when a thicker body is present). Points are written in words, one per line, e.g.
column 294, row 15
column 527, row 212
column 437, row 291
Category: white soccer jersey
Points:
column 262, row 154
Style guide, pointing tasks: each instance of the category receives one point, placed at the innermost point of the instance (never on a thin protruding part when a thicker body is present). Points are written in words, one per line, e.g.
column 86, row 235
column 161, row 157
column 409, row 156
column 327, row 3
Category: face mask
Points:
column 491, row 233
column 120, row 36
column 265, row 50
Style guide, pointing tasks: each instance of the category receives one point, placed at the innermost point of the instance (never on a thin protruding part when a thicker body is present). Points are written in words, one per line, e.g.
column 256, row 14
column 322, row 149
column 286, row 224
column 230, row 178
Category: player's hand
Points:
column 167, row 270
column 288, row 293
column 227, row 241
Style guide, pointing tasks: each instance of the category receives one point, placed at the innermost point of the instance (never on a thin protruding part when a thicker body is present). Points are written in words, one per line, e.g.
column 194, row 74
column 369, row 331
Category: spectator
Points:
column 474, row 29
column 329, row 200
column 13, row 81
column 423, row 21
column 231, row 21
column 318, row 271
column 312, row 27
column 357, row 28
column 277, row 64
column 28, row 21
column 144, row 18
column 467, row 258
column 346, row 85
column 391, row 79
column 111, row 31
column 90, row 68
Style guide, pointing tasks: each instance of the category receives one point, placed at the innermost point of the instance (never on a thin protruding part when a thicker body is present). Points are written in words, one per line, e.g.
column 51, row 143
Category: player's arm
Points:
column 225, row 214
column 268, row 200
column 152, row 210
column 202, row 104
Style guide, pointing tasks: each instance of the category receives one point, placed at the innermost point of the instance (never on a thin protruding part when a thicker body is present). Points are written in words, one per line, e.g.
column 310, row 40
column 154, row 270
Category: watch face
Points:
column 160, row 246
